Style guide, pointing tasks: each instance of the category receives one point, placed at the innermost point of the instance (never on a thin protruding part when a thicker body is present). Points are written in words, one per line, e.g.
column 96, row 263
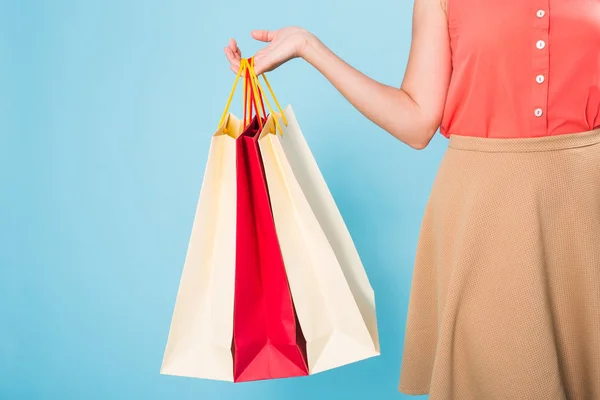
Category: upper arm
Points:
column 429, row 67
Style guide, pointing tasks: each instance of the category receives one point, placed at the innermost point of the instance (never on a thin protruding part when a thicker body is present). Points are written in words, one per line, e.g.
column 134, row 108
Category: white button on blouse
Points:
column 538, row 112
column 540, row 13
column 540, row 44
column 539, row 78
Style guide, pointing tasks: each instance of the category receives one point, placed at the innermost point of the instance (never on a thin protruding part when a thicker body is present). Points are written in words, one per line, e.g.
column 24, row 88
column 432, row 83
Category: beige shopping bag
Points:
column 314, row 187
column 200, row 336
column 331, row 292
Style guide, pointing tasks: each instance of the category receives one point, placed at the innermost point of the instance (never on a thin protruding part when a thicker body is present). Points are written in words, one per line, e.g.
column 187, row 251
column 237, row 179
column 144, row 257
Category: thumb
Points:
column 263, row 35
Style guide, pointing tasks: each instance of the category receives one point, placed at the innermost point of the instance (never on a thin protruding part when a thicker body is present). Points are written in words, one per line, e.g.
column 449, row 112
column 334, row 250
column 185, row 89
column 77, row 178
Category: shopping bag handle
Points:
column 248, row 100
column 256, row 82
column 247, row 66
column 241, row 69
column 270, row 90
column 254, row 94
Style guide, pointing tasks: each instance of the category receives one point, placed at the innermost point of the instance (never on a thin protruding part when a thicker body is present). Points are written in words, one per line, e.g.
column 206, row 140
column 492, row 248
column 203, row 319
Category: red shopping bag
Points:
column 267, row 340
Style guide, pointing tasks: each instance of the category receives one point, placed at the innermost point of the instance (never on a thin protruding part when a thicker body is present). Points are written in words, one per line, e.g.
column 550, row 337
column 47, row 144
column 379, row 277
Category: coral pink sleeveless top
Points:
column 523, row 68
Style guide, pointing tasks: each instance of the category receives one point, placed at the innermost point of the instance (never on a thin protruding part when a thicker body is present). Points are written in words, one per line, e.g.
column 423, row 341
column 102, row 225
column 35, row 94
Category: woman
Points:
column 505, row 296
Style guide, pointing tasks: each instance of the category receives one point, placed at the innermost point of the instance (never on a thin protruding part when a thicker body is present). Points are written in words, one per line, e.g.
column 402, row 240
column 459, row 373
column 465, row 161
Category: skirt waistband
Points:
column 529, row 144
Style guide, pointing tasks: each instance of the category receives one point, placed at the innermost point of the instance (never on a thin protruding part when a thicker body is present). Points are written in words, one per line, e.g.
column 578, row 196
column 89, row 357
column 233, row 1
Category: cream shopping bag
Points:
column 201, row 332
column 314, row 187
column 330, row 289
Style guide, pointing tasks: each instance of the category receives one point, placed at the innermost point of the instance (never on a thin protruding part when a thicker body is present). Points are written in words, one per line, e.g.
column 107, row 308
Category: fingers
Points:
column 233, row 61
column 234, row 47
column 234, row 55
column 258, row 64
column 263, row 35
column 262, row 63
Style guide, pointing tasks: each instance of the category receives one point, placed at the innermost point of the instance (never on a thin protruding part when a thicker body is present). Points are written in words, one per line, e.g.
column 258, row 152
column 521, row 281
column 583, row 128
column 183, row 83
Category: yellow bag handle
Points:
column 256, row 84
column 247, row 99
column 270, row 90
column 254, row 91
column 239, row 73
column 248, row 67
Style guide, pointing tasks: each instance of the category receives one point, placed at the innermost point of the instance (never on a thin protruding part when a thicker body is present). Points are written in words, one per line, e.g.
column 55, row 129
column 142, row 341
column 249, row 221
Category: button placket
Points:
column 540, row 66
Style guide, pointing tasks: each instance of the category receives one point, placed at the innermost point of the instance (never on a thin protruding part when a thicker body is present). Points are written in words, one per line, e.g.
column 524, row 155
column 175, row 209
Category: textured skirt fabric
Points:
column 505, row 293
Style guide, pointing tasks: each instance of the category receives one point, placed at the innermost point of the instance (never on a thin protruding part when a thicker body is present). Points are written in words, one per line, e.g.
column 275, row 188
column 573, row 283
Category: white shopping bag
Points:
column 200, row 336
column 330, row 289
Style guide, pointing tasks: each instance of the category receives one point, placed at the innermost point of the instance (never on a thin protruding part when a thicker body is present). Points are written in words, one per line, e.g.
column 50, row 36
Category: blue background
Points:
column 106, row 113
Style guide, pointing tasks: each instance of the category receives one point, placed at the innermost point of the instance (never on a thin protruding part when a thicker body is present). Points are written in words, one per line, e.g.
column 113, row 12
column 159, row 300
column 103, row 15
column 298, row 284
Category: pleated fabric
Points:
column 505, row 293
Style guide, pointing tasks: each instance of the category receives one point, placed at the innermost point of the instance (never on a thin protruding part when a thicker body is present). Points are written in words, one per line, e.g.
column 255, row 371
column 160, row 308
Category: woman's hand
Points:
column 284, row 45
column 413, row 112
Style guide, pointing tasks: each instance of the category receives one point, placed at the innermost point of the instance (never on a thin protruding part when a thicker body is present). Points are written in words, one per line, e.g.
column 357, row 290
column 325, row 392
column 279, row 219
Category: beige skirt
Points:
column 505, row 293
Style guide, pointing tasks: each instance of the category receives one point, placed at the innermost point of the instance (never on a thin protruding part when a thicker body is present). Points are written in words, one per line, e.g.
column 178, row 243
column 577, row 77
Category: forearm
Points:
column 391, row 108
